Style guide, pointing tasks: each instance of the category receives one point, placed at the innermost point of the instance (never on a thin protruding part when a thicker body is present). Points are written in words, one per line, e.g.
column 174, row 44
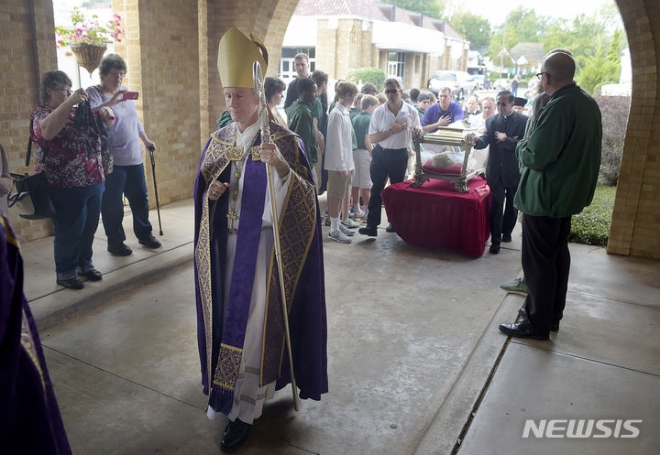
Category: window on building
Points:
column 287, row 68
column 395, row 64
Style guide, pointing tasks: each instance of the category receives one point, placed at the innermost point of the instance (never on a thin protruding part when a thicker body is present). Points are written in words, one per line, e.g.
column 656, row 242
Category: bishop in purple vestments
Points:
column 239, row 308
column 30, row 421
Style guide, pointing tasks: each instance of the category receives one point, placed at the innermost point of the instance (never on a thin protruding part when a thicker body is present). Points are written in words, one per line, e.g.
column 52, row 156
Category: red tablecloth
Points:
column 435, row 215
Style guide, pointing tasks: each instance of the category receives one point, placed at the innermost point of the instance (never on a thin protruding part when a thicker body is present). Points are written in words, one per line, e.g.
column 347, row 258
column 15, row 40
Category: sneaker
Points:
column 339, row 236
column 71, row 283
column 351, row 224
column 119, row 250
column 91, row 274
column 346, row 231
column 518, row 286
column 359, row 213
column 150, row 242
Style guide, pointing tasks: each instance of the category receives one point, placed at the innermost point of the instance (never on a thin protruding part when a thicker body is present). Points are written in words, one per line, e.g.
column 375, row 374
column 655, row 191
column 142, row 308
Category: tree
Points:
column 430, row 8
column 526, row 25
column 522, row 26
column 596, row 49
column 604, row 67
column 474, row 28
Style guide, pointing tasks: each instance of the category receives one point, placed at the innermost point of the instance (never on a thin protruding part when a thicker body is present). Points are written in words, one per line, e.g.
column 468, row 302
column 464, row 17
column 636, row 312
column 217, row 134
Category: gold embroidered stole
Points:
column 216, row 159
column 297, row 227
column 221, row 151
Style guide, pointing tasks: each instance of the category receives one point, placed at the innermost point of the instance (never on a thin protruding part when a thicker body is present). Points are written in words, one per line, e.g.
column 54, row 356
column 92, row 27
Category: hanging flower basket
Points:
column 89, row 55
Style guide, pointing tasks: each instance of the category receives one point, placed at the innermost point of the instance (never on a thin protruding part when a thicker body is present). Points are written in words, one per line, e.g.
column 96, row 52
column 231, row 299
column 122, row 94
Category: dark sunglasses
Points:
column 392, row 91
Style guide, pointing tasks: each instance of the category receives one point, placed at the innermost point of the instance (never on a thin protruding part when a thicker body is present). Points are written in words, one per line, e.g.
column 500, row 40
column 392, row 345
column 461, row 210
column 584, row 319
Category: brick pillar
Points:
column 27, row 51
column 636, row 218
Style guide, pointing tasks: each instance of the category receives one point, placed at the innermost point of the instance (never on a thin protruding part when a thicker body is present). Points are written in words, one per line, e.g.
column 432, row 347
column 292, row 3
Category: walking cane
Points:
column 153, row 173
column 266, row 139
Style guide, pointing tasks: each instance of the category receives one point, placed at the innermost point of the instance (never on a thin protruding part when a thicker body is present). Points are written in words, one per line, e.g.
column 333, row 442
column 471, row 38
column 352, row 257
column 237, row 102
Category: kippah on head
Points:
column 520, row 101
column 560, row 66
column 236, row 54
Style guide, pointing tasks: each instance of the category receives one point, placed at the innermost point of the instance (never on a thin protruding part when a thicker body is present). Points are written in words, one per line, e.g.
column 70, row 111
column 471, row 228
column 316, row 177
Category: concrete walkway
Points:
column 416, row 363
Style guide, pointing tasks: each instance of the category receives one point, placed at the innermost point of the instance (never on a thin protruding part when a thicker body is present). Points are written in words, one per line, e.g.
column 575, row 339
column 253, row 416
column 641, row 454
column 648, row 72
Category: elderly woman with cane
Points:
column 128, row 177
column 70, row 155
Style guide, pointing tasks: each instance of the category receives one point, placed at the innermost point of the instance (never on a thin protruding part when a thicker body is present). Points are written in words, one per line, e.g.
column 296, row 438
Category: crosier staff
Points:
column 266, row 139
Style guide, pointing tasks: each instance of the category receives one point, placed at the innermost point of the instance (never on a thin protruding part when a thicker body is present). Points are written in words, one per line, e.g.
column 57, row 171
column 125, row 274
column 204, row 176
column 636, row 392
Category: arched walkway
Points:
column 171, row 51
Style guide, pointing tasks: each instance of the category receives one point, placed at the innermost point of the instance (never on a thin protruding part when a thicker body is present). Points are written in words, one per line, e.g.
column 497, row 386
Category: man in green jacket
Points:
column 561, row 159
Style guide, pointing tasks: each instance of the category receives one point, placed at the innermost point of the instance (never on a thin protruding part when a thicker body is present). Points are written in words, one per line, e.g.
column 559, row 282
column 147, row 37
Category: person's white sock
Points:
column 334, row 224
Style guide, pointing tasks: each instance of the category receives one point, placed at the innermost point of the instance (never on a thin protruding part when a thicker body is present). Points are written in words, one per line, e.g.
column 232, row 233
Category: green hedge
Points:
column 592, row 226
column 374, row 75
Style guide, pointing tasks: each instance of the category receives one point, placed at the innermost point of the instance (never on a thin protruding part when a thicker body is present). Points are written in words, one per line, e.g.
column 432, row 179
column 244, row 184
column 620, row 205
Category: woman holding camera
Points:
column 70, row 156
column 127, row 177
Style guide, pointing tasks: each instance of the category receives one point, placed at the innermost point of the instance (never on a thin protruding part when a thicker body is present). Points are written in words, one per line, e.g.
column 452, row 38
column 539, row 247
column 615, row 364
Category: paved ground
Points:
column 416, row 363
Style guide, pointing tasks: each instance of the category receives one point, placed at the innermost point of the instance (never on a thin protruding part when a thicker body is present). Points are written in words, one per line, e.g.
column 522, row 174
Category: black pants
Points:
column 385, row 163
column 503, row 215
column 546, row 262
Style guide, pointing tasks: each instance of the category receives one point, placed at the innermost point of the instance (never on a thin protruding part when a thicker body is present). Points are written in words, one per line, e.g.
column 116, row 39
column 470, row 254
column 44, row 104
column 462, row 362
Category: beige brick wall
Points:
column 27, row 50
column 171, row 50
column 162, row 50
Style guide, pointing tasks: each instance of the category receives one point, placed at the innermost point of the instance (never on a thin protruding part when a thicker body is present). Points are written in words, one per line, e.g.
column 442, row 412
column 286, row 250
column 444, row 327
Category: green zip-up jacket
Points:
column 561, row 156
column 300, row 118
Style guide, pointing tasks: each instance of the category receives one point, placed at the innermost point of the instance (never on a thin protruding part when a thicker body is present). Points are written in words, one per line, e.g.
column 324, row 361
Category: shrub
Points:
column 615, row 110
column 592, row 226
column 363, row 75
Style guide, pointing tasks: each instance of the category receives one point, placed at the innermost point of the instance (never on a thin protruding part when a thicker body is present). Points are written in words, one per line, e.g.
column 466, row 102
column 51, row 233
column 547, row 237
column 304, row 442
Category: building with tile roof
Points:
column 343, row 35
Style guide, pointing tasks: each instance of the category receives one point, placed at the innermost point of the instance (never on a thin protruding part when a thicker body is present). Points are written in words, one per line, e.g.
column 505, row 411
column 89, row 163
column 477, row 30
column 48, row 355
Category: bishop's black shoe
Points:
column 235, row 435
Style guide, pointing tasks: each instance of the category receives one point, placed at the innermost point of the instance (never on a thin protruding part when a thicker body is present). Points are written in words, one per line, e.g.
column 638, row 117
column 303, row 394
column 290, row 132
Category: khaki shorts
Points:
column 337, row 186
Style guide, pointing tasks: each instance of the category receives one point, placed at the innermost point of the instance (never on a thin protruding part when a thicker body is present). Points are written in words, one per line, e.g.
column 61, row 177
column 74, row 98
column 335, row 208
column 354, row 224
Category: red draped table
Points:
column 435, row 215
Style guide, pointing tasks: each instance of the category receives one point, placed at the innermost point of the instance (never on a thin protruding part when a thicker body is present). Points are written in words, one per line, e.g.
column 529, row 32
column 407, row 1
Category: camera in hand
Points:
column 131, row 95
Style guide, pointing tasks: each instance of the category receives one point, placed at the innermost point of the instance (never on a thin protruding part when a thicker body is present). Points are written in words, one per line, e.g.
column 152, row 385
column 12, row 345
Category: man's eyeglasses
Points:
column 540, row 75
column 391, row 91
column 502, row 104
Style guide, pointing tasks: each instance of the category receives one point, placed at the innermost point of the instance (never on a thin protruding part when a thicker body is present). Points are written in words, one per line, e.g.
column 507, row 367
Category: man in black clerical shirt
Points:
column 503, row 131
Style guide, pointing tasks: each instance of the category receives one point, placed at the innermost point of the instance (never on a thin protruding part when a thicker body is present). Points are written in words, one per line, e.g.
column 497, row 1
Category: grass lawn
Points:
column 592, row 226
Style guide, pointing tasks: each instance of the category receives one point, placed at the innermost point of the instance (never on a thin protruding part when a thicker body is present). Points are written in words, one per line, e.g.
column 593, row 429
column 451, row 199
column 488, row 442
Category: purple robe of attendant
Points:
column 30, row 421
column 302, row 256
